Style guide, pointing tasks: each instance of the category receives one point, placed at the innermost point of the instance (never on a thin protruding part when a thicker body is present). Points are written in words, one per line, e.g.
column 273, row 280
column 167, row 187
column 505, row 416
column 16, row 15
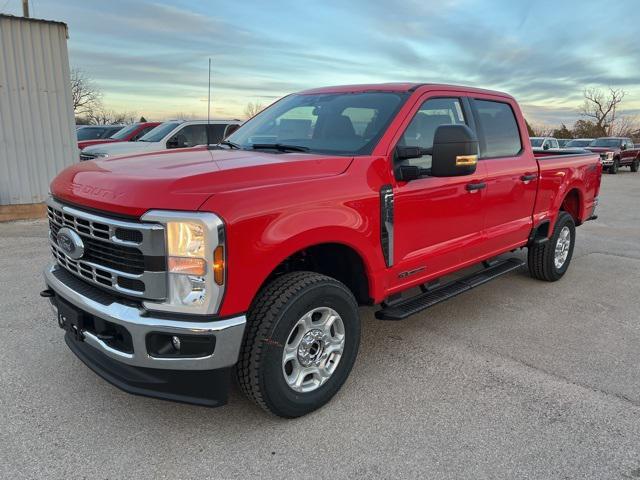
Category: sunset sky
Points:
column 151, row 57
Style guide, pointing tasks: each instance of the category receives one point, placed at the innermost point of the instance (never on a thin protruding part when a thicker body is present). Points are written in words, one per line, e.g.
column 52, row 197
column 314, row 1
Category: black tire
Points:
column 635, row 165
column 273, row 315
column 613, row 169
column 541, row 257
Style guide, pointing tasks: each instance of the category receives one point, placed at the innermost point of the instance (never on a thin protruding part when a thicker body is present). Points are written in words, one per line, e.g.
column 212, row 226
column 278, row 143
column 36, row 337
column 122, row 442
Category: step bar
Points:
column 405, row 308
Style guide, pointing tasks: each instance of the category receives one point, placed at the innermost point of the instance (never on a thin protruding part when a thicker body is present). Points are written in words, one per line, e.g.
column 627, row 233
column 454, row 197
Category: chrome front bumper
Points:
column 139, row 322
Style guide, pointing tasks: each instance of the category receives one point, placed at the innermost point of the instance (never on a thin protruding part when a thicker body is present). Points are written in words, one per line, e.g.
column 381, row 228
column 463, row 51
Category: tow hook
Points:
column 48, row 293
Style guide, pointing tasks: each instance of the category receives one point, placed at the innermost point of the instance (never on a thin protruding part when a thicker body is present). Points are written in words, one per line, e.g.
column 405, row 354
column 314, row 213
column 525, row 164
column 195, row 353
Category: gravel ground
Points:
column 515, row 379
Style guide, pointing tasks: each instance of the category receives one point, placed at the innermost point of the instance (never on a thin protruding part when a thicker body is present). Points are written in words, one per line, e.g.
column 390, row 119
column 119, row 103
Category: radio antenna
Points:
column 209, row 106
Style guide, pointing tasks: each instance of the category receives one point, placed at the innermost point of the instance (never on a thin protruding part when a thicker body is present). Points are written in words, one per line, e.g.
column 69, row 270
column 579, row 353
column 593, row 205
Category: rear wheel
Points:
column 302, row 339
column 634, row 165
column 549, row 261
column 613, row 169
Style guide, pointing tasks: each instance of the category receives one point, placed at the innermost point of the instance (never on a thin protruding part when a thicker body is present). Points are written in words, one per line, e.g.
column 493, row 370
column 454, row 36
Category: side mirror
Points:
column 623, row 146
column 231, row 129
column 176, row 143
column 454, row 152
column 546, row 146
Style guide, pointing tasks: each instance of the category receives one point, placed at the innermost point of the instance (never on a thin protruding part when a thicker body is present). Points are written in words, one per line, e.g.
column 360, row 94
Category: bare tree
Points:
column 252, row 109
column 601, row 107
column 100, row 116
column 86, row 97
column 185, row 116
column 625, row 126
column 540, row 130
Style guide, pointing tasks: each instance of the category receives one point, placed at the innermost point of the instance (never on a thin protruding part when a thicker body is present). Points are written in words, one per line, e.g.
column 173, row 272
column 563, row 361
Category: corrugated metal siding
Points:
column 37, row 126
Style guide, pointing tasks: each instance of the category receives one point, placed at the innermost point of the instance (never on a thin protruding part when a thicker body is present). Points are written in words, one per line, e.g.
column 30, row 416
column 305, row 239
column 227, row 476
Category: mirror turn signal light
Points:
column 218, row 265
column 466, row 160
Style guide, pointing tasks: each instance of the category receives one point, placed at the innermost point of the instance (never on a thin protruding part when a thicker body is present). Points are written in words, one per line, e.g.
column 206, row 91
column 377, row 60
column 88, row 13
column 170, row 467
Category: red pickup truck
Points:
column 174, row 270
column 130, row 133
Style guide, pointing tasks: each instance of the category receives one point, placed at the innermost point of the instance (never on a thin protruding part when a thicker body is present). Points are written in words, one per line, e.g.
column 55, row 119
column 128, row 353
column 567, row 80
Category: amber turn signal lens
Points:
column 466, row 160
column 187, row 265
column 218, row 265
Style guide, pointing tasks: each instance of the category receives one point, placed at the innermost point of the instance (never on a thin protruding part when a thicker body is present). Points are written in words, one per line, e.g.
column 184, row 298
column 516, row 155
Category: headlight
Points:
column 195, row 261
column 609, row 155
column 100, row 155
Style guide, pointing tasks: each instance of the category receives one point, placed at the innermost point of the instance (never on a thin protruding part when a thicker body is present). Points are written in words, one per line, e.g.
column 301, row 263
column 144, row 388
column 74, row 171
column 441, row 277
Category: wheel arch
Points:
column 336, row 259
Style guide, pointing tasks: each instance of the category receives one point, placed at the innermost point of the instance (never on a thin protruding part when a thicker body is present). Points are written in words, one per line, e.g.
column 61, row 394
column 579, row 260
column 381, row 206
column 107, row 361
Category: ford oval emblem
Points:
column 70, row 243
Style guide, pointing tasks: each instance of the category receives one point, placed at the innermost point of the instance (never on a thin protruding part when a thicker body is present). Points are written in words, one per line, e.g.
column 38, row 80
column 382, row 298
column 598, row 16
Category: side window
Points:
column 189, row 136
column 500, row 128
column 554, row 143
column 433, row 113
column 216, row 132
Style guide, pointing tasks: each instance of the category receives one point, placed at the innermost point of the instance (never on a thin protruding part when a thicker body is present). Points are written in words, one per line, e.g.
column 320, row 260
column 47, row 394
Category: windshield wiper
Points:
column 230, row 144
column 282, row 147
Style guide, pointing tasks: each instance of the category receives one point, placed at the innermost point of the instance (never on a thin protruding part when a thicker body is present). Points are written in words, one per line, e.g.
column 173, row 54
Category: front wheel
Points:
column 302, row 338
column 613, row 169
column 549, row 261
column 635, row 165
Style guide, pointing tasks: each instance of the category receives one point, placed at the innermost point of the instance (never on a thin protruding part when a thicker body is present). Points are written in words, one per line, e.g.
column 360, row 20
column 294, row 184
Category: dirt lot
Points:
column 516, row 379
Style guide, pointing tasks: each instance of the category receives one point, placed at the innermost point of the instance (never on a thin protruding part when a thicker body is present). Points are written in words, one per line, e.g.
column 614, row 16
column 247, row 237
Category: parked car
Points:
column 578, row 143
column 130, row 133
column 168, row 135
column 618, row 152
column 563, row 141
column 96, row 132
column 544, row 143
column 173, row 270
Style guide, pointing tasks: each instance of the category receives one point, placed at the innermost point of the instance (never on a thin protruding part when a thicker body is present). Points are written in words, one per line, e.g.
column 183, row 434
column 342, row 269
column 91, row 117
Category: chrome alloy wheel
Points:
column 562, row 247
column 313, row 349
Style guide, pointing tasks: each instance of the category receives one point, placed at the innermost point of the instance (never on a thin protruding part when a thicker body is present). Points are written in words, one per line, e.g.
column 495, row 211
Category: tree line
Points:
column 602, row 118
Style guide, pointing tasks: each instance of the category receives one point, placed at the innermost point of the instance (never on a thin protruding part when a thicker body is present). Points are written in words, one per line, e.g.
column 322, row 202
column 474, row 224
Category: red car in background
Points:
column 122, row 134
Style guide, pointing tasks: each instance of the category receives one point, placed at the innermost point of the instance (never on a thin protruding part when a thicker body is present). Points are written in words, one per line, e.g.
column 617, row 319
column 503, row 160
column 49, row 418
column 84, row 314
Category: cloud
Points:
column 152, row 56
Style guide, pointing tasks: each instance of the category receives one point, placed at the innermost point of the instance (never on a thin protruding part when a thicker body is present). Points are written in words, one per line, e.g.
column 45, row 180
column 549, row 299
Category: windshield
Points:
column 578, row 143
column 94, row 133
column 537, row 142
column 125, row 132
column 159, row 132
column 606, row 142
column 335, row 123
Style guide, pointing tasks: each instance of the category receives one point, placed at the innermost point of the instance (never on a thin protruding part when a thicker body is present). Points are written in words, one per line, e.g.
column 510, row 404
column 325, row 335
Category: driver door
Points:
column 438, row 220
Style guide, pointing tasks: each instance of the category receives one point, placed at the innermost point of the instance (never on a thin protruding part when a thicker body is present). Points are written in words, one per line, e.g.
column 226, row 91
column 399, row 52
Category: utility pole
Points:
column 25, row 8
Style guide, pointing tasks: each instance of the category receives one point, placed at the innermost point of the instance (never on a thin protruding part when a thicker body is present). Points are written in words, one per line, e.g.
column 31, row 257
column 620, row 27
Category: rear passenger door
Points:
column 512, row 175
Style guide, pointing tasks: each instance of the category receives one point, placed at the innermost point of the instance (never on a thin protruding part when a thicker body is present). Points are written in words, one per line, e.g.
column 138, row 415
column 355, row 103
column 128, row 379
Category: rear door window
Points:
column 501, row 134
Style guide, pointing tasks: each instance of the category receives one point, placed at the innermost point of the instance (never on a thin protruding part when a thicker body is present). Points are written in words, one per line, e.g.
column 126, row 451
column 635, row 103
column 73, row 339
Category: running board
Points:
column 403, row 309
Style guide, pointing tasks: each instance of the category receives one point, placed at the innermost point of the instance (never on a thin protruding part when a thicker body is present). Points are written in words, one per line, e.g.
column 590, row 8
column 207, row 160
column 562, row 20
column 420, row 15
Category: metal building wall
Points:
column 37, row 126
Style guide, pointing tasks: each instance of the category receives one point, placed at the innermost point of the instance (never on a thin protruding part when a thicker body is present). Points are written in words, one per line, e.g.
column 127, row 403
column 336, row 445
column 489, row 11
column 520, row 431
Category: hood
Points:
column 87, row 143
column 124, row 148
column 183, row 179
column 602, row 149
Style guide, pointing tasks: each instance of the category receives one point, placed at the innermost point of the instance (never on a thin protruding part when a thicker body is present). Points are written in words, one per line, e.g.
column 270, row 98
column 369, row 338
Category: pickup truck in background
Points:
column 544, row 143
column 173, row 271
column 172, row 134
column 616, row 152
column 130, row 133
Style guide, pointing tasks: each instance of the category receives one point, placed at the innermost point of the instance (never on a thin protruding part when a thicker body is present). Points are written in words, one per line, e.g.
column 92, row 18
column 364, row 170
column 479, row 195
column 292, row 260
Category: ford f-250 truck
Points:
column 174, row 270
column 616, row 152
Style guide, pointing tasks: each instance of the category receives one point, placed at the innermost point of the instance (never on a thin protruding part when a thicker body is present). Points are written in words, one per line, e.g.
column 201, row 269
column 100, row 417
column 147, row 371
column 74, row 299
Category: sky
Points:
column 151, row 57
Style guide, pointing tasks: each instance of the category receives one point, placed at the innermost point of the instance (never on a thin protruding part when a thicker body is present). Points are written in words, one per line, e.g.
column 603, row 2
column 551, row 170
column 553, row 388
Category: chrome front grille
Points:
column 127, row 257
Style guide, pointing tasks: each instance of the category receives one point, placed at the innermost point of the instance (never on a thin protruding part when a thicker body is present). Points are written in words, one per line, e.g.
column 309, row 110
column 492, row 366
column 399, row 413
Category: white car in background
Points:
column 167, row 135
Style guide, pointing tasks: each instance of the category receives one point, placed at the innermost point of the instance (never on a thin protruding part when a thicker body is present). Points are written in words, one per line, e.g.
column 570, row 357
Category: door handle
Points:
column 472, row 187
column 528, row 177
